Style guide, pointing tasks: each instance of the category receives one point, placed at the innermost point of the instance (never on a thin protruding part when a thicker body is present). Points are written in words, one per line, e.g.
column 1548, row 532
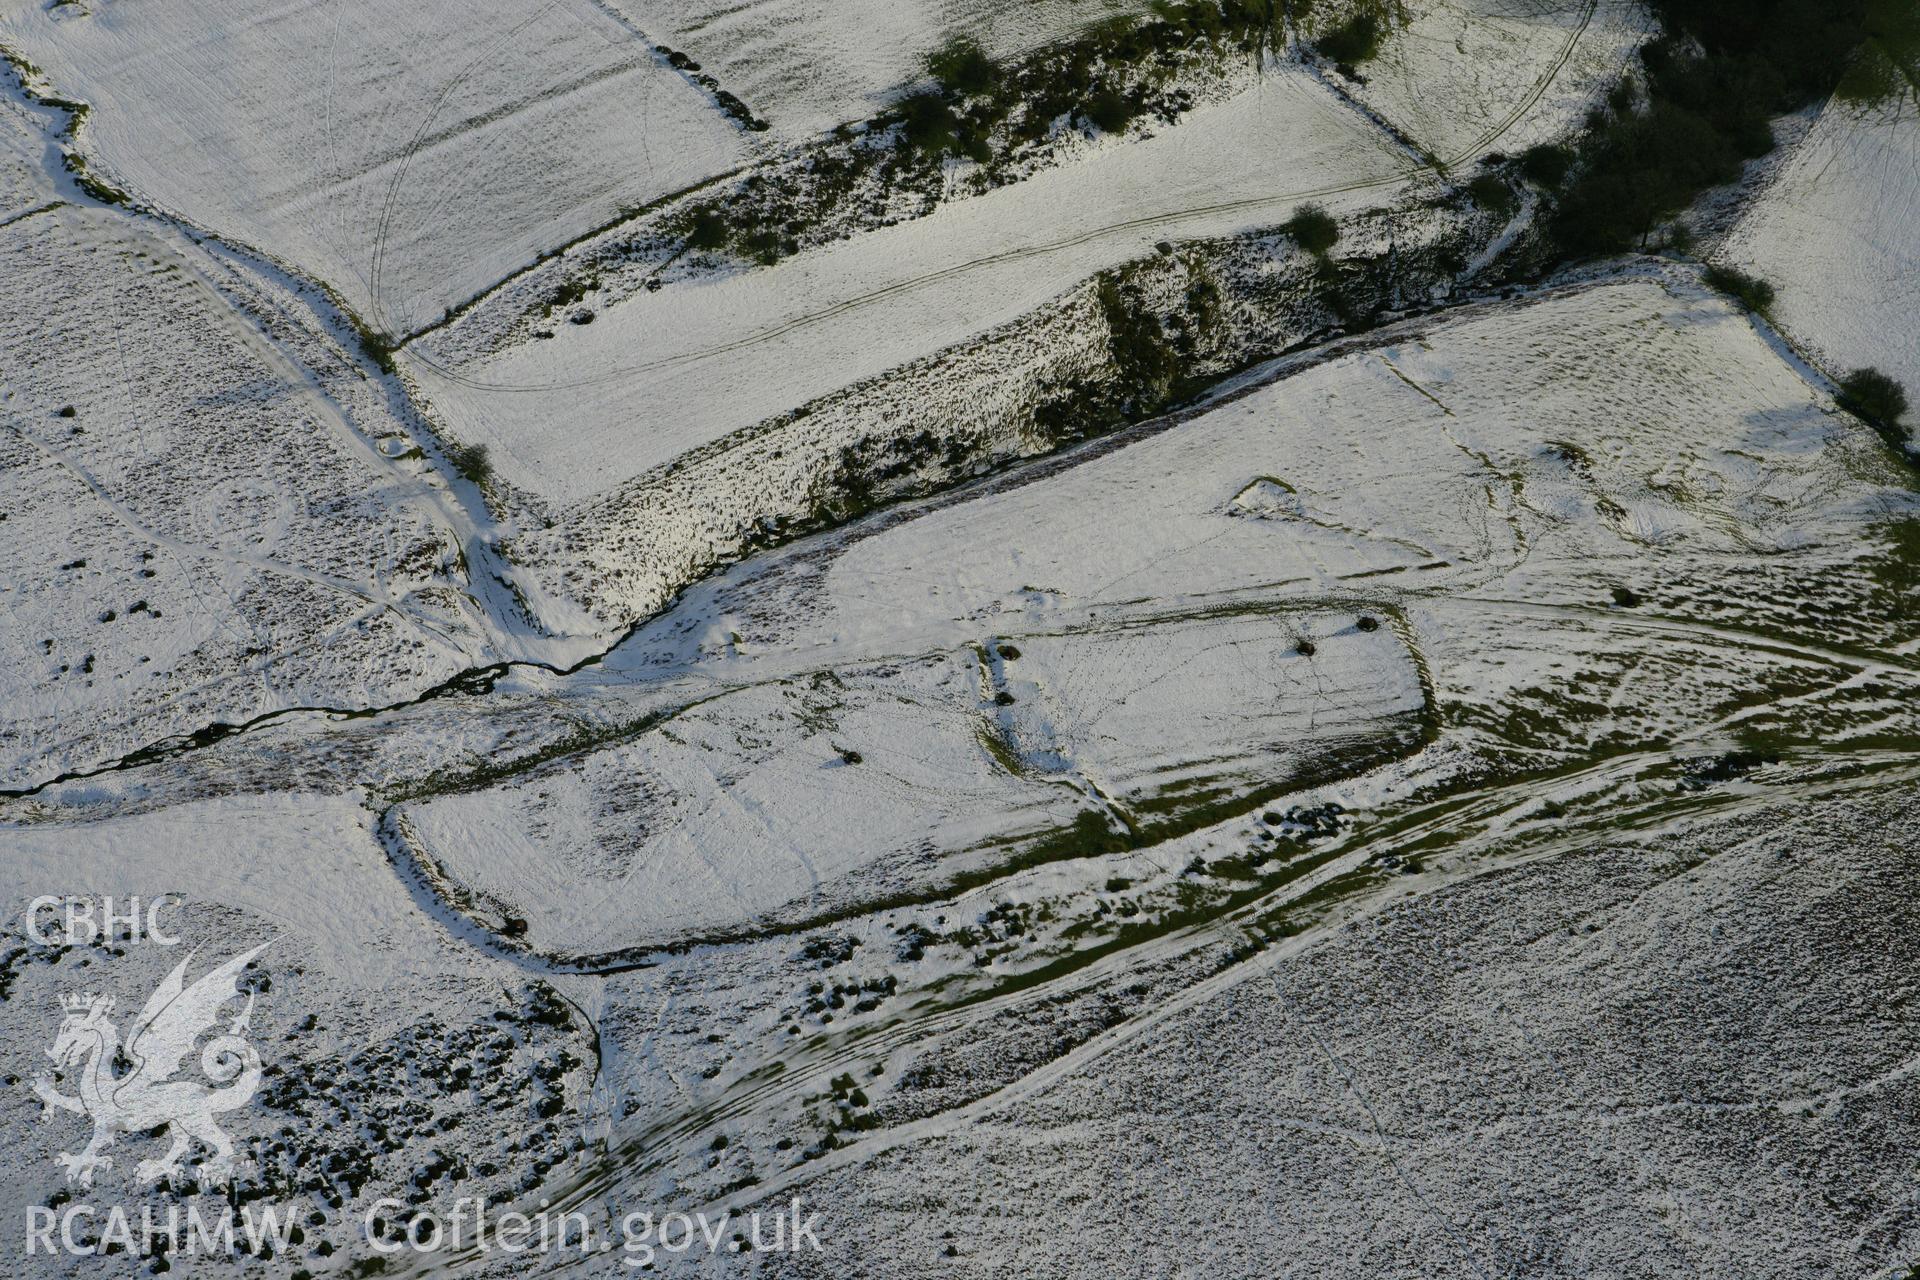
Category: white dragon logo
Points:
column 143, row 1096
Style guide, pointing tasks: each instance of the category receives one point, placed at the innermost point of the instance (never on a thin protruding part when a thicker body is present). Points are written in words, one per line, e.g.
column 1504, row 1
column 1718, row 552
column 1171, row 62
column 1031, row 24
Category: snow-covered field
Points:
column 1068, row 730
column 660, row 374
column 1462, row 77
column 406, row 155
column 596, row 422
column 1450, row 969
column 735, row 810
column 1658, row 1057
column 1836, row 237
column 806, row 67
column 197, row 528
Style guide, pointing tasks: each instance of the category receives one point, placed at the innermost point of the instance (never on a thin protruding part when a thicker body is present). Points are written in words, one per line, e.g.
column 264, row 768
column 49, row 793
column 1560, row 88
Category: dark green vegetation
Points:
column 1352, row 42
column 1116, row 71
column 1888, row 64
column 930, row 128
column 1353, row 39
column 1715, row 79
column 1753, row 293
column 1546, row 165
column 963, row 68
column 1158, row 327
column 76, row 164
column 471, row 462
column 1881, row 401
column 376, row 346
column 1313, row 227
column 1490, row 191
column 1147, row 363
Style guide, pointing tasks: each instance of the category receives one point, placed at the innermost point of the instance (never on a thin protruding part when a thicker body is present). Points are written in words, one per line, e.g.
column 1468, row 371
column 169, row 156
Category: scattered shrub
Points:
column 1313, row 227
column 1353, row 41
column 1489, row 191
column 572, row 290
column 1108, row 109
column 963, row 68
column 707, row 229
column 1147, row 363
column 470, row 462
column 928, row 125
column 765, row 245
column 1546, row 165
column 1872, row 395
column 1753, row 293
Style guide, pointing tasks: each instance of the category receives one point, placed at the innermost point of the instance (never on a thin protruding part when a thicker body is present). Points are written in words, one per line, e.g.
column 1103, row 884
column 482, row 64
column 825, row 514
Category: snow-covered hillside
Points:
column 198, row 529
column 407, row 156
column 1836, row 235
column 1084, row 638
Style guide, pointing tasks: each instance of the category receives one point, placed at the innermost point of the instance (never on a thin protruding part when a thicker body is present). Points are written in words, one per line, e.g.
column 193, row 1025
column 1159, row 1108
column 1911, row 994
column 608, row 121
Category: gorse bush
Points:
column 1874, row 396
column 470, row 462
column 707, row 229
column 928, row 124
column 1108, row 110
column 1754, row 293
column 1882, row 402
column 1546, row 165
column 1313, row 227
column 1148, row 365
column 962, row 67
column 1353, row 41
column 1489, row 192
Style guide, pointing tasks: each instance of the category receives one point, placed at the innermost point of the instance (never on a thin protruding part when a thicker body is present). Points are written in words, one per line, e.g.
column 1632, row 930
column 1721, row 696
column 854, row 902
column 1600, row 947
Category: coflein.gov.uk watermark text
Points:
column 214, row 1230
column 641, row 1236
